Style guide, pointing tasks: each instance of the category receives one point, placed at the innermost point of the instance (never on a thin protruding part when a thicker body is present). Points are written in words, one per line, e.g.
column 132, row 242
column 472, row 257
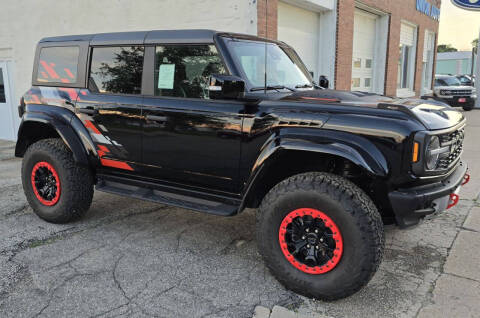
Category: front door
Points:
column 7, row 126
column 111, row 107
column 187, row 137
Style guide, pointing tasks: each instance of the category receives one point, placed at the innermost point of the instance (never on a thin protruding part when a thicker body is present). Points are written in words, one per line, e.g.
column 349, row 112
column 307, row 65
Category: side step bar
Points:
column 192, row 200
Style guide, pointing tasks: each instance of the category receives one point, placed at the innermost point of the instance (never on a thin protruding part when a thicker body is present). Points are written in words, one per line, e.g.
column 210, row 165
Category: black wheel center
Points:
column 45, row 183
column 310, row 241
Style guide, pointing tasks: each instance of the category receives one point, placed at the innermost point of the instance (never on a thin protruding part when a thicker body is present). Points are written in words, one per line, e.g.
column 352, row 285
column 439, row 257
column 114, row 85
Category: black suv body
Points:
column 191, row 118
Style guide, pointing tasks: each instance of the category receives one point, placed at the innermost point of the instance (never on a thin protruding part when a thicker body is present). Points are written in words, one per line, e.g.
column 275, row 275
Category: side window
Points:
column 58, row 64
column 184, row 71
column 116, row 70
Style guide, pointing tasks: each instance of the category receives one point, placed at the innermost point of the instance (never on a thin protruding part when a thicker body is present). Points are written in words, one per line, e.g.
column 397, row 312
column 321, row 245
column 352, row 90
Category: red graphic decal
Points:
column 69, row 73
column 83, row 92
column 102, row 150
column 49, row 70
column 71, row 92
column 36, row 100
column 64, row 80
column 115, row 164
column 89, row 124
column 44, row 75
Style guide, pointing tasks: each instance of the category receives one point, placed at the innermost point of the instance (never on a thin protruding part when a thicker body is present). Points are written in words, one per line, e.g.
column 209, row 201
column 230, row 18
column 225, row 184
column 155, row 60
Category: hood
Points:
column 431, row 113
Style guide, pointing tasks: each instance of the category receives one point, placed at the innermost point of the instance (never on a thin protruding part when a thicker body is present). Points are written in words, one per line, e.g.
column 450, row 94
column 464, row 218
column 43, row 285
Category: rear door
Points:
column 111, row 105
column 187, row 137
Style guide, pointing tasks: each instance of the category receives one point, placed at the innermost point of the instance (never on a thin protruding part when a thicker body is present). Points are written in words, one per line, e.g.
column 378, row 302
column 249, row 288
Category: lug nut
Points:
column 303, row 237
column 308, row 245
column 316, row 231
column 317, row 247
column 307, row 230
column 321, row 239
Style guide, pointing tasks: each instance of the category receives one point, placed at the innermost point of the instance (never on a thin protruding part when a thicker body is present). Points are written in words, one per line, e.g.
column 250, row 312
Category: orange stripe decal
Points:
column 69, row 73
column 89, row 124
column 49, row 70
column 115, row 164
column 102, row 150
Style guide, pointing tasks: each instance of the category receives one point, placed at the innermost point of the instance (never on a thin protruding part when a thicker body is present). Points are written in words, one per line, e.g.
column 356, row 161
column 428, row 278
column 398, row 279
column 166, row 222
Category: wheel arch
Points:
column 283, row 157
column 36, row 126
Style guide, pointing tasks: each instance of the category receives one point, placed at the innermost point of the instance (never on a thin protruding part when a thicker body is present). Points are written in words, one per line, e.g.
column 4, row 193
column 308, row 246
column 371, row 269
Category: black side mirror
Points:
column 226, row 87
column 323, row 81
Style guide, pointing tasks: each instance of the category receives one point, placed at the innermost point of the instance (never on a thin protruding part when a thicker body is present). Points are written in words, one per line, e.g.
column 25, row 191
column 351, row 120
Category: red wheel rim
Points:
column 320, row 237
column 45, row 183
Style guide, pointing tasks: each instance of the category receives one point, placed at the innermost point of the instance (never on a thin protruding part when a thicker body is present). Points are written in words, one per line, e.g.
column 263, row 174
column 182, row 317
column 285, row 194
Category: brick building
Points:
column 381, row 46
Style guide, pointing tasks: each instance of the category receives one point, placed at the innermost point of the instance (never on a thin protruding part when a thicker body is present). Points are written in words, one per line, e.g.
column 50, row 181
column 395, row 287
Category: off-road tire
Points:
column 76, row 182
column 351, row 210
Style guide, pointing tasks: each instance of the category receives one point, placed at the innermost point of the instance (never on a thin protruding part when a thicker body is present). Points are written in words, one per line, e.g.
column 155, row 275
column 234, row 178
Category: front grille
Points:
column 454, row 140
column 461, row 92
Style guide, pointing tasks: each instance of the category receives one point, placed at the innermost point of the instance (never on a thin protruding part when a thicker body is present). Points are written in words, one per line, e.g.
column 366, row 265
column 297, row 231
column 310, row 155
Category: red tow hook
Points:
column 466, row 179
column 453, row 200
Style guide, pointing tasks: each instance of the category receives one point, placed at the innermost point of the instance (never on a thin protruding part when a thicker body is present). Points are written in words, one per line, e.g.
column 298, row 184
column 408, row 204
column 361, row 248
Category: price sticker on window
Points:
column 166, row 76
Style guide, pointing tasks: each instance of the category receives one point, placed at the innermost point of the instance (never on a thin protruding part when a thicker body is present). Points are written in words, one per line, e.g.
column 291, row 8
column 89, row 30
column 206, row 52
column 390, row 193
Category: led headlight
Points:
column 432, row 153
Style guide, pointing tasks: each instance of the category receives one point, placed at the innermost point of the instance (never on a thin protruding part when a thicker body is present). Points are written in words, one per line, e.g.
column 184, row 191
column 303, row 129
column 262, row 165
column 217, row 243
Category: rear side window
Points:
column 116, row 70
column 58, row 64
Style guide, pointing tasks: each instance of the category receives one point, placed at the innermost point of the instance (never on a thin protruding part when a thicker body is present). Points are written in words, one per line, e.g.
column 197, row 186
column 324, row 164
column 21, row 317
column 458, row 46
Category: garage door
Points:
column 299, row 28
column 363, row 63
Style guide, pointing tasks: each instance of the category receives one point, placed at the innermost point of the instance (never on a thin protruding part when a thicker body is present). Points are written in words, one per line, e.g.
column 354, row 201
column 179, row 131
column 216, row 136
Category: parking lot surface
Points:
column 138, row 259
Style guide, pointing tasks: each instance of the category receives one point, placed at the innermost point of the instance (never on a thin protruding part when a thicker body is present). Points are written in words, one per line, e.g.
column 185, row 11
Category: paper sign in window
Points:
column 166, row 76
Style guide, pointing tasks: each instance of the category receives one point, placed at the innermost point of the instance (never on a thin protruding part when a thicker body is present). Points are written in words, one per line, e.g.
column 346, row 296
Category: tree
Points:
column 475, row 42
column 441, row 48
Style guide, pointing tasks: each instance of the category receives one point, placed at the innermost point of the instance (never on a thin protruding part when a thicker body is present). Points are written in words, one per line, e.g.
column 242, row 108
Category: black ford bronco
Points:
column 219, row 122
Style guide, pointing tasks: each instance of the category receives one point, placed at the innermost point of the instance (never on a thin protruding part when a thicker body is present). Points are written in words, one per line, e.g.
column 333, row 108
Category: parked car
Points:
column 466, row 80
column 449, row 89
column 186, row 118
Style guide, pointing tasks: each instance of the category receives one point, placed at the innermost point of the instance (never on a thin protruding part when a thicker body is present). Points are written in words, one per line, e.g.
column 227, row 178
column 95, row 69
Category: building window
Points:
column 58, row 64
column 356, row 82
column 184, row 70
column 406, row 60
column 368, row 63
column 368, row 82
column 357, row 62
column 116, row 70
column 428, row 54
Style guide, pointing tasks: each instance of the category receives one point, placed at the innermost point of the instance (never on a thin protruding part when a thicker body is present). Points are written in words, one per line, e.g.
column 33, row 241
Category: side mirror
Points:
column 226, row 87
column 323, row 81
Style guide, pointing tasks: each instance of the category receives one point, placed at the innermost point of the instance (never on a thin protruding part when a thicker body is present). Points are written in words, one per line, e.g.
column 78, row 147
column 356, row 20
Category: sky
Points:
column 458, row 27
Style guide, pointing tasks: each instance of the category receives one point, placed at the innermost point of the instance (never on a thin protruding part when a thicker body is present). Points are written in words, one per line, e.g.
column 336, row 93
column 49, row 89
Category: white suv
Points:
column 449, row 89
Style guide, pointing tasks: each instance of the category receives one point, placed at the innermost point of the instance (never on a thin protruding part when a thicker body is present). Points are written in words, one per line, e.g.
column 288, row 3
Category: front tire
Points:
column 469, row 107
column 320, row 235
column 57, row 189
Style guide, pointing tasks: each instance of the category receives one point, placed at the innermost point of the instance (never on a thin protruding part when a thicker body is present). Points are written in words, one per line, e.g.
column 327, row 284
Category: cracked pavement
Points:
column 129, row 258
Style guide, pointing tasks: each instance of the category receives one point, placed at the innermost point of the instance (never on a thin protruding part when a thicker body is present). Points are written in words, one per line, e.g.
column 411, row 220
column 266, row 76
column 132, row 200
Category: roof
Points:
column 460, row 55
column 147, row 37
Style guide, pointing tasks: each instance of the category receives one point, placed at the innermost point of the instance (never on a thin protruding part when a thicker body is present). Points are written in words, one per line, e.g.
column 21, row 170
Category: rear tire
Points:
column 352, row 232
column 57, row 189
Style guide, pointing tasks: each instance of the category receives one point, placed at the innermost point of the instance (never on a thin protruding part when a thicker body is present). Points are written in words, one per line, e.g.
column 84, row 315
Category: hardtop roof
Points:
column 150, row 37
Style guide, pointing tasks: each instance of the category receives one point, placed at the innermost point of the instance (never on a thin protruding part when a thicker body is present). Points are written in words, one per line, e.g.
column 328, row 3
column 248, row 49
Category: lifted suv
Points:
column 190, row 118
column 451, row 90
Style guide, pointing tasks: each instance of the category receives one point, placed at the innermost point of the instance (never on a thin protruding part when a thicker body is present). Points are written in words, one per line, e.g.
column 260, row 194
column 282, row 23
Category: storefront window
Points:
column 403, row 67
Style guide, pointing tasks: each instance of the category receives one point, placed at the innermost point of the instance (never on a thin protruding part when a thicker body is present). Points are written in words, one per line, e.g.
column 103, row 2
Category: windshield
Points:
column 283, row 67
column 449, row 81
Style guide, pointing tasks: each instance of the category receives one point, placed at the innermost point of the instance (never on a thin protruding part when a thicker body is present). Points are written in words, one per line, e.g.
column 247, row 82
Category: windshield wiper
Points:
column 304, row 86
column 276, row 87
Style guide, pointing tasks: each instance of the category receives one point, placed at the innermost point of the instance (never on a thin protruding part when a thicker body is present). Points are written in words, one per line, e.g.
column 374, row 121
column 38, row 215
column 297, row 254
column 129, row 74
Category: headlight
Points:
column 432, row 154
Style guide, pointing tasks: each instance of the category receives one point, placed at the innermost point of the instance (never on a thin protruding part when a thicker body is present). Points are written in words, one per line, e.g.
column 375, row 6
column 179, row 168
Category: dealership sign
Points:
column 467, row 4
column 429, row 9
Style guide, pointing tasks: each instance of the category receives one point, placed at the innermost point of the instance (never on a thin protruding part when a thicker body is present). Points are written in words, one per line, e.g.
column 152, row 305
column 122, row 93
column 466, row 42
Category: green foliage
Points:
column 441, row 48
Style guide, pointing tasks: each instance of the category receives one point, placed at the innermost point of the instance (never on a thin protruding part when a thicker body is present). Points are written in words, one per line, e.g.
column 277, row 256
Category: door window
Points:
column 58, row 64
column 116, row 70
column 184, row 71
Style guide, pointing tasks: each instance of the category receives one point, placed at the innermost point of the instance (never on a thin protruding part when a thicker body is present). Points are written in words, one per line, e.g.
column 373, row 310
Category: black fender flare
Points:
column 357, row 149
column 67, row 126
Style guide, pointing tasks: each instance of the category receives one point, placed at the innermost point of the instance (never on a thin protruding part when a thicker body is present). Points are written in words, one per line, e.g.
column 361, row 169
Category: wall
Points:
column 398, row 10
column 25, row 22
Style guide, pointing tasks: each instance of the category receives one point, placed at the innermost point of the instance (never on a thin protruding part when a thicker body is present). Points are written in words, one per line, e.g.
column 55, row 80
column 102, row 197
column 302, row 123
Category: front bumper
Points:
column 455, row 100
column 412, row 204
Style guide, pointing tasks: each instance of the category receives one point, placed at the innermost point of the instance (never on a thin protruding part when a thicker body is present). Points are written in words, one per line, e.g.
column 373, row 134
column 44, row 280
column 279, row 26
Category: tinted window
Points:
column 116, row 70
column 184, row 71
column 58, row 64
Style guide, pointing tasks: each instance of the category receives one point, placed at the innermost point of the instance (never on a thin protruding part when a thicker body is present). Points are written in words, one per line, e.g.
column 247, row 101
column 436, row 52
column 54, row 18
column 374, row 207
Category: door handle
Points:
column 89, row 111
column 156, row 118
